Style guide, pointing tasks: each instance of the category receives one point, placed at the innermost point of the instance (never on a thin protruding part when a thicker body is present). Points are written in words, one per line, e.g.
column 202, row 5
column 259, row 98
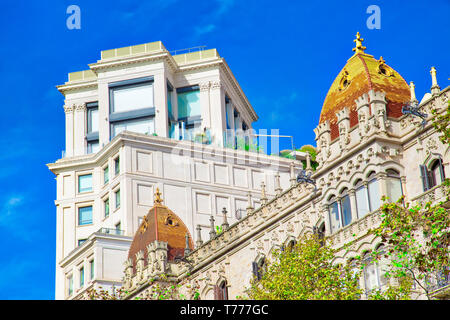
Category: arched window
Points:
column 340, row 211
column 374, row 271
column 373, row 190
column 393, row 185
column 289, row 245
column 259, row 268
column 362, row 199
column 437, row 172
column 432, row 176
column 221, row 291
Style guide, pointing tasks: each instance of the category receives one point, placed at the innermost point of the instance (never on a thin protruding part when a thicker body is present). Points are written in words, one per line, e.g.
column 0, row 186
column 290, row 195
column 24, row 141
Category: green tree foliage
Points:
column 418, row 239
column 441, row 124
column 306, row 272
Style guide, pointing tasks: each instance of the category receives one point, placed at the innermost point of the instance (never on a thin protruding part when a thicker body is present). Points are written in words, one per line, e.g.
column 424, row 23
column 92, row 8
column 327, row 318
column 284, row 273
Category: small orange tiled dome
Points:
column 361, row 74
column 163, row 225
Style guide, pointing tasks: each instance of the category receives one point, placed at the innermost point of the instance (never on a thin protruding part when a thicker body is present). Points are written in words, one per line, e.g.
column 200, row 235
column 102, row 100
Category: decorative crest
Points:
column 359, row 48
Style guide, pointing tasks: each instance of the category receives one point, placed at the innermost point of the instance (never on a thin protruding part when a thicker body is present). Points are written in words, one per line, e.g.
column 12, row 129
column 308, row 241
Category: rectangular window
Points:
column 118, row 230
column 169, row 100
column 106, row 204
column 117, row 195
column 132, row 106
column 81, row 241
column 84, row 216
column 188, row 102
column 81, row 277
column 144, row 126
column 93, row 145
column 106, row 175
column 117, row 166
column 91, row 267
column 85, row 183
column 92, row 114
column 362, row 202
column 70, row 285
column 132, row 97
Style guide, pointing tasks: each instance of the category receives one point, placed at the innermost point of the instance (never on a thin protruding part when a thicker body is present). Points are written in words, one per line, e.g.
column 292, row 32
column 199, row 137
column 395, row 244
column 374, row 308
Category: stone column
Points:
column 217, row 103
column 69, row 111
column 79, row 130
column 161, row 109
column 205, row 104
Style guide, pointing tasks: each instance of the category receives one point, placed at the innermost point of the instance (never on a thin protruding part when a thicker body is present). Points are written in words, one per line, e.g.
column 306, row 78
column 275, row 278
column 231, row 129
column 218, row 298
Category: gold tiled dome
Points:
column 361, row 74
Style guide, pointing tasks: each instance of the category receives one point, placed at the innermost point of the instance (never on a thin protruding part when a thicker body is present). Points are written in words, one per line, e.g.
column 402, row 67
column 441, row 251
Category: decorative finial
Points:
column 212, row 231
column 359, row 48
column 434, row 85
column 413, row 92
column 199, row 236
column 225, row 224
column 249, row 203
column 263, row 193
column 158, row 199
column 187, row 250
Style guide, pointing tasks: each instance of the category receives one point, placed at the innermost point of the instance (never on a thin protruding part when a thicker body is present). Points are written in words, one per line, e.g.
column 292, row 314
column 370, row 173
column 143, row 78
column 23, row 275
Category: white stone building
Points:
column 139, row 119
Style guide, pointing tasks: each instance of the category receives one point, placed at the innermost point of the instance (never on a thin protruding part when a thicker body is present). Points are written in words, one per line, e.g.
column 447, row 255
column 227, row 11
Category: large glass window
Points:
column 132, row 106
column 145, row 126
column 188, row 102
column 84, row 215
column 85, row 183
column 132, row 97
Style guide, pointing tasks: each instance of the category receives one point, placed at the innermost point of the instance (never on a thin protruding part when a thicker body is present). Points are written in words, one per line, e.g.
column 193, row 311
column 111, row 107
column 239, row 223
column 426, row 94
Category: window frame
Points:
column 130, row 115
column 79, row 185
column 92, row 137
column 92, row 215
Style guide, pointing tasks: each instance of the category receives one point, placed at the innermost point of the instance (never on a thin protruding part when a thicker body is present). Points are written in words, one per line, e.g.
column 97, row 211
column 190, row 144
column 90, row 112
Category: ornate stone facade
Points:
column 381, row 153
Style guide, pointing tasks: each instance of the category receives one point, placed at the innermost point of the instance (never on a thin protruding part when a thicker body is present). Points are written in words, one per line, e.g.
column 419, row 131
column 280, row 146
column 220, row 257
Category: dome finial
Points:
column 359, row 48
column 158, row 199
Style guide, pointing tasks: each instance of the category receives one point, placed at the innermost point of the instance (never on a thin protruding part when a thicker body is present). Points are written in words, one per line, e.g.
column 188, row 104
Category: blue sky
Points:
column 284, row 54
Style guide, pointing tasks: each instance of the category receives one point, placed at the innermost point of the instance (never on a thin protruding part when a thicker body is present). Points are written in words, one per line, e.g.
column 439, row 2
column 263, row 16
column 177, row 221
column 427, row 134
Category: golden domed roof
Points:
column 361, row 74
